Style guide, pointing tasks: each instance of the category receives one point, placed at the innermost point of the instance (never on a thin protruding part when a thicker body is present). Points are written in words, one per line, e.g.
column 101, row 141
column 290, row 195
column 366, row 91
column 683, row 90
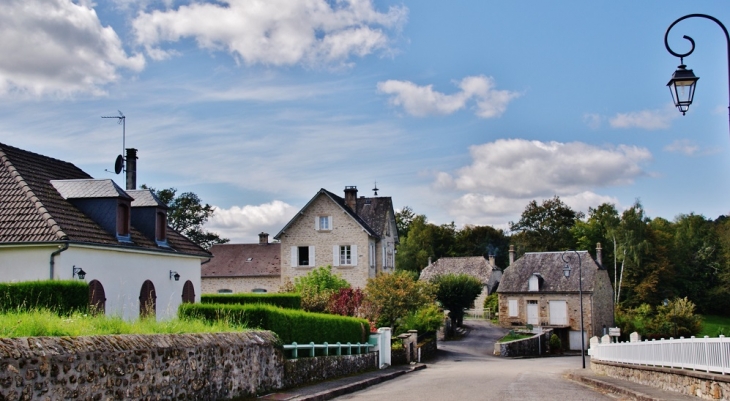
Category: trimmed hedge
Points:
column 289, row 301
column 59, row 296
column 291, row 325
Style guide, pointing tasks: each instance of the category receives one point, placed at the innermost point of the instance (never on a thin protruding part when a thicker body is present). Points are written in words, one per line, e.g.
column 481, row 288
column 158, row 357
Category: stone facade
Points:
column 706, row 386
column 157, row 367
column 236, row 284
column 344, row 231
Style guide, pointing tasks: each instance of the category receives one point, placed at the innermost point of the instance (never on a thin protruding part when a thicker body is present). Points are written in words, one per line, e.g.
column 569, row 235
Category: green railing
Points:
column 340, row 349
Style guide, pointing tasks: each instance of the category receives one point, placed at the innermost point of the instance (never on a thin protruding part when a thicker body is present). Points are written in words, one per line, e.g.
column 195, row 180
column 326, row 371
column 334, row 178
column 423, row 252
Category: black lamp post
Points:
column 566, row 273
column 683, row 82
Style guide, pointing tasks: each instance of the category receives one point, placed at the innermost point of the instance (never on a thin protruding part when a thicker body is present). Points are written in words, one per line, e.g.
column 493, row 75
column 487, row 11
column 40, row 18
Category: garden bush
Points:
column 317, row 287
column 290, row 325
column 289, row 301
column 425, row 320
column 59, row 296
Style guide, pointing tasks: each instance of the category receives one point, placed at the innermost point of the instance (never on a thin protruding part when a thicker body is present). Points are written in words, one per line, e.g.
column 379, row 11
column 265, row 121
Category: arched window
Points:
column 188, row 295
column 97, row 298
column 147, row 300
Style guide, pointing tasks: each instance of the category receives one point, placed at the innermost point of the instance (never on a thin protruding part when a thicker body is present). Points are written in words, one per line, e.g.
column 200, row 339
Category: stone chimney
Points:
column 429, row 261
column 263, row 238
column 599, row 255
column 131, row 168
column 491, row 260
column 511, row 254
column 351, row 197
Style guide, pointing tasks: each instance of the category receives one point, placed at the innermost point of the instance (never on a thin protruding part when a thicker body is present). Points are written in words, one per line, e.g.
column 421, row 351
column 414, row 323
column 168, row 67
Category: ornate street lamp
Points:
column 566, row 273
column 683, row 82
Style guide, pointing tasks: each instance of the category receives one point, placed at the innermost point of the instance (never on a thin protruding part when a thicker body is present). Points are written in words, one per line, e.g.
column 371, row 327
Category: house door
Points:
column 532, row 315
column 558, row 313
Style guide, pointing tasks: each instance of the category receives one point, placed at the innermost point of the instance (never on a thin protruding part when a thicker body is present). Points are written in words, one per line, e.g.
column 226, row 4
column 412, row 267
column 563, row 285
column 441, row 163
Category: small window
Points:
column 259, row 290
column 303, row 255
column 123, row 221
column 225, row 291
column 249, row 259
column 345, row 255
column 161, row 227
column 323, row 223
column 513, row 311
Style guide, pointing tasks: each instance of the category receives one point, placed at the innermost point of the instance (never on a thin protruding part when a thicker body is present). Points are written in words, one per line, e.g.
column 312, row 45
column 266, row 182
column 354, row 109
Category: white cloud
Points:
column 685, row 146
column 58, row 47
column 273, row 32
column 423, row 100
column 506, row 174
column 645, row 119
column 243, row 224
column 592, row 120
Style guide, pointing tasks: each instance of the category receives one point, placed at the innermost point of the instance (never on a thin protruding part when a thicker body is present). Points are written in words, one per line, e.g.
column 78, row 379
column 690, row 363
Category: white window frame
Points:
column 372, row 260
column 323, row 223
column 513, row 307
column 337, row 255
column 533, row 283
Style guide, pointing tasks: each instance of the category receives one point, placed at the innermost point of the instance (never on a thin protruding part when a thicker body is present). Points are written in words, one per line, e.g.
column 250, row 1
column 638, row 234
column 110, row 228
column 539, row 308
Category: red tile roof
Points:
column 244, row 260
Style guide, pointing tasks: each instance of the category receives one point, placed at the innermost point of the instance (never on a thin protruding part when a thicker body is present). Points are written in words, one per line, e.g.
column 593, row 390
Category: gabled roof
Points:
column 243, row 260
column 475, row 266
column 341, row 203
column 32, row 210
column 550, row 266
column 375, row 211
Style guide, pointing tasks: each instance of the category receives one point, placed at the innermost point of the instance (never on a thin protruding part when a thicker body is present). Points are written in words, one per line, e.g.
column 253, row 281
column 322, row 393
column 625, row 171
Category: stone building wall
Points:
column 240, row 284
column 707, row 386
column 345, row 231
column 572, row 303
column 602, row 304
column 155, row 367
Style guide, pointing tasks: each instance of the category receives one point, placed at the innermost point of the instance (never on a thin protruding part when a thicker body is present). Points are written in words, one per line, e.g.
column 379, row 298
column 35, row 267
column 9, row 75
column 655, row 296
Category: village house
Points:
column 356, row 236
column 243, row 268
column 486, row 271
column 58, row 223
column 535, row 290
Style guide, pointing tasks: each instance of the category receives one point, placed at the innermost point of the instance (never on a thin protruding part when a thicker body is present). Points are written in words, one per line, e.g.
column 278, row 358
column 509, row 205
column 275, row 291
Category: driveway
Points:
column 466, row 370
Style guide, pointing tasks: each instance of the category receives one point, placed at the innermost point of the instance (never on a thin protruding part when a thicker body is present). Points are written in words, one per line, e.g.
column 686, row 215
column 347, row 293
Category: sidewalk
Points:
column 627, row 388
column 346, row 385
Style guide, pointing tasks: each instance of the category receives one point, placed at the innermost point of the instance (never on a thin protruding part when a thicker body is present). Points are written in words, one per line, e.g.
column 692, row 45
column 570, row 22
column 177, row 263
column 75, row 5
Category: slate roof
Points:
column 475, row 266
column 80, row 189
column 243, row 260
column 145, row 198
column 373, row 217
column 550, row 267
column 33, row 211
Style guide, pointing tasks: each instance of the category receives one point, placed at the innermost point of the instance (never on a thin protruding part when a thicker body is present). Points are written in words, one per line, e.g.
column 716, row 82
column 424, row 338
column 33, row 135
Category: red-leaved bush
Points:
column 346, row 302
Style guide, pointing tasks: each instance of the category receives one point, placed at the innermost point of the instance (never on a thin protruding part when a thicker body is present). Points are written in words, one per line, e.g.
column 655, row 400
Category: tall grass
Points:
column 42, row 322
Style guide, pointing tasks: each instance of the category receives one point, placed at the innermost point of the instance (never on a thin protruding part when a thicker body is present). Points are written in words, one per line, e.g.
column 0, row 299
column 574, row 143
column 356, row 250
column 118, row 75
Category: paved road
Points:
column 467, row 370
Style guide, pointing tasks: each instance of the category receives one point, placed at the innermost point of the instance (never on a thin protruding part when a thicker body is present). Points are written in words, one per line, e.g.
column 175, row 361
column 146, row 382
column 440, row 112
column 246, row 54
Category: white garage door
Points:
column 558, row 313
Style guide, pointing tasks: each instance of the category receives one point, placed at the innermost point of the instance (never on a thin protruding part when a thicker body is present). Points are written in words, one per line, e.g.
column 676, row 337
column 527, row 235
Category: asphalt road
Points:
column 467, row 370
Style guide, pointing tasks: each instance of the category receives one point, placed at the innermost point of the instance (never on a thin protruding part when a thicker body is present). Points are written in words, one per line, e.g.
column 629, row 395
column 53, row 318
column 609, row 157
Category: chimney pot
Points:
column 351, row 197
column 263, row 238
column 131, row 164
column 511, row 254
column 599, row 255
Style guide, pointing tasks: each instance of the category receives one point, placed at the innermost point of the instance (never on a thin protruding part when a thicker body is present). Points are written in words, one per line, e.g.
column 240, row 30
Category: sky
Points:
column 464, row 111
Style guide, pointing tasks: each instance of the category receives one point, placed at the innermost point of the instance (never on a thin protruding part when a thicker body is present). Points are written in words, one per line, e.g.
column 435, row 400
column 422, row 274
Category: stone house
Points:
column 58, row 223
column 243, row 267
column 478, row 267
column 534, row 290
column 356, row 236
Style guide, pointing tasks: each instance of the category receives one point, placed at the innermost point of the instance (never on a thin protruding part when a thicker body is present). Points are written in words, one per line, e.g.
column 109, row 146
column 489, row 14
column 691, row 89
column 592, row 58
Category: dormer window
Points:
column 123, row 222
column 161, row 228
column 534, row 282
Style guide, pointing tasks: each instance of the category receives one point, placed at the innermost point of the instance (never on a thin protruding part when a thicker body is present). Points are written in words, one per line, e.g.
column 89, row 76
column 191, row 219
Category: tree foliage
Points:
column 187, row 214
column 393, row 296
column 456, row 292
column 545, row 227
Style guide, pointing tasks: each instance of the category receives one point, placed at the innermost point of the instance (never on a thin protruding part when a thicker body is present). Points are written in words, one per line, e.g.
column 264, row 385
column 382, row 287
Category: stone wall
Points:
column 152, row 367
column 428, row 347
column 707, row 386
column 537, row 345
column 211, row 285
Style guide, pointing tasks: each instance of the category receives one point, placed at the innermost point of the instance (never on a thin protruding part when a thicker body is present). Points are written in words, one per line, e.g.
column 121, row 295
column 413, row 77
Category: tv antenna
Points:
column 119, row 162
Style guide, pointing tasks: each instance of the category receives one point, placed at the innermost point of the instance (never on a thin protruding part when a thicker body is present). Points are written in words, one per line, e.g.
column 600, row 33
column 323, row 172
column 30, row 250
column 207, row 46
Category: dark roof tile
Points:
column 244, row 260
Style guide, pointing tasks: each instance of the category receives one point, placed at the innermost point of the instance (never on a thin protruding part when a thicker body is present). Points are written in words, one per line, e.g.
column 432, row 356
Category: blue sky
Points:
column 464, row 110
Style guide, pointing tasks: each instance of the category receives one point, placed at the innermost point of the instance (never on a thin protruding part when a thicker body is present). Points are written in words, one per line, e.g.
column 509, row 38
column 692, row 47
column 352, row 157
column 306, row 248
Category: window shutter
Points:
column 335, row 255
column 294, row 257
column 311, row 256
column 353, row 248
column 316, row 222
column 329, row 223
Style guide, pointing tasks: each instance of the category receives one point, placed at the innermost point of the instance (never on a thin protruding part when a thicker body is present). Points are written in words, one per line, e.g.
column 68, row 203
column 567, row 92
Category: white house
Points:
column 57, row 222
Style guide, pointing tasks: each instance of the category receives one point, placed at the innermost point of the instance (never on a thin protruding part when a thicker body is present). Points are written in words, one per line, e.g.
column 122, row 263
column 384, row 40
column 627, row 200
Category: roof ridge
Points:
column 31, row 196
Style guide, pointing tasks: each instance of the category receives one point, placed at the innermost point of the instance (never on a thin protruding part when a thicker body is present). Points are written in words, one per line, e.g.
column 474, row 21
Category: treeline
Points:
column 648, row 259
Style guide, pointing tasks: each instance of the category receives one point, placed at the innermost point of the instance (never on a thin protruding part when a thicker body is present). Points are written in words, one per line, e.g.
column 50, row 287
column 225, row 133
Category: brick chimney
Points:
column 599, row 255
column 511, row 254
column 263, row 238
column 351, row 197
column 131, row 168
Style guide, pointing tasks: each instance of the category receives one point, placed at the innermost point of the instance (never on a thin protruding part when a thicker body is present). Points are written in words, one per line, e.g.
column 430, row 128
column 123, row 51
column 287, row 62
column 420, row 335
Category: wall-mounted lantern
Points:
column 77, row 271
column 175, row 275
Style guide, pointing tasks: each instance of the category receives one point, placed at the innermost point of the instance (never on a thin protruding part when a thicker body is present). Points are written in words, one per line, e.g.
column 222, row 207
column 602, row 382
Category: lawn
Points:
column 46, row 323
column 713, row 326
column 511, row 336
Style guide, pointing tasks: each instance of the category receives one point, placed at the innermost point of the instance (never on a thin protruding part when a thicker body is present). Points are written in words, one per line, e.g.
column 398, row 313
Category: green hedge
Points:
column 289, row 301
column 291, row 325
column 62, row 297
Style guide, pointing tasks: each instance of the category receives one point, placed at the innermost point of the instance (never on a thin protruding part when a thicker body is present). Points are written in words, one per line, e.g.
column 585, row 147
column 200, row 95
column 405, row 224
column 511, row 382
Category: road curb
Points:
column 611, row 387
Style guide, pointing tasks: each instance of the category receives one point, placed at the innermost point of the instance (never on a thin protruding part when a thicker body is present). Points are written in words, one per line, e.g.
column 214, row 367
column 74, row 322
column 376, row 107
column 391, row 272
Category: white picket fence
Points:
column 704, row 354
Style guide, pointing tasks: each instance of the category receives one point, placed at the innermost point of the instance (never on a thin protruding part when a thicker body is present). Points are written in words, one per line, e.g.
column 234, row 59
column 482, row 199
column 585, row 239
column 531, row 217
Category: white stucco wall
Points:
column 122, row 273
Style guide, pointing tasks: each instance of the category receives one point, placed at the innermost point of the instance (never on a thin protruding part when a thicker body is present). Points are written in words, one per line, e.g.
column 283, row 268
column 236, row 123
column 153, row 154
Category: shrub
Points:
column 491, row 303
column 456, row 292
column 317, row 287
column 346, row 302
column 290, row 301
column 60, row 296
column 390, row 297
column 426, row 320
column 290, row 325
column 556, row 345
